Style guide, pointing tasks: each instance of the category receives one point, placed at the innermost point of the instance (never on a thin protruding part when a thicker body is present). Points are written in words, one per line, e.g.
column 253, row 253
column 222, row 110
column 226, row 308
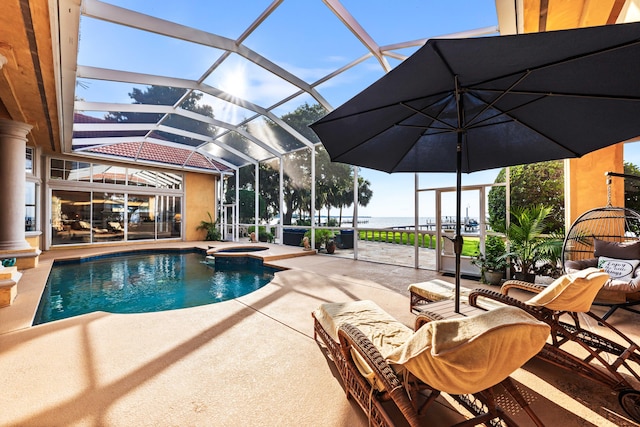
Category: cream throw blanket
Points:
column 470, row 354
column 572, row 292
column 385, row 332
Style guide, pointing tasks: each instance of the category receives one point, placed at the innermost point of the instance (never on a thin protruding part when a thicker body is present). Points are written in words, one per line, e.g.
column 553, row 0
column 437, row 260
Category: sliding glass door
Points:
column 70, row 217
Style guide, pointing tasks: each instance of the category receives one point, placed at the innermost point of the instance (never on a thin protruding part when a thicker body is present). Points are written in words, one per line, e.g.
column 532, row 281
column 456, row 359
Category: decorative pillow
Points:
column 618, row 269
column 617, row 250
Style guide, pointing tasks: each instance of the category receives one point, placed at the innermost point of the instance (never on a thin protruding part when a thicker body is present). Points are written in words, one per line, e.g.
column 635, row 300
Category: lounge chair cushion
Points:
column 572, row 292
column 433, row 290
column 469, row 354
column 385, row 332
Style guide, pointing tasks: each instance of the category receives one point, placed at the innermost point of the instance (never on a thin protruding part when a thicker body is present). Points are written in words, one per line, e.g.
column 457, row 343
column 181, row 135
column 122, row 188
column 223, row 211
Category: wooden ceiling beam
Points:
column 27, row 81
column 615, row 11
column 552, row 15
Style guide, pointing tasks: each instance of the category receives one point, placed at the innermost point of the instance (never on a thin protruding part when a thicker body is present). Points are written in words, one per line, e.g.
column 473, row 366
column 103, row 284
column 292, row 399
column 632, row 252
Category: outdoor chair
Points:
column 603, row 353
column 381, row 361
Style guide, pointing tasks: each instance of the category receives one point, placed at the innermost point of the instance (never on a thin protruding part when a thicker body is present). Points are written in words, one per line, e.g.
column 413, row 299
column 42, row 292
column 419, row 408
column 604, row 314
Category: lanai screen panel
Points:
column 216, row 86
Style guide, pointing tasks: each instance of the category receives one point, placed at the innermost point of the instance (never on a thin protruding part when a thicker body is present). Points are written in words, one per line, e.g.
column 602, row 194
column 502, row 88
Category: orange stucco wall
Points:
column 585, row 182
column 588, row 183
column 33, row 241
column 200, row 190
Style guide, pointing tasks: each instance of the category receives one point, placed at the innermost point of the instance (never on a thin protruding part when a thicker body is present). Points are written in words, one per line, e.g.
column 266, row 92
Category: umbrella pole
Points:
column 457, row 244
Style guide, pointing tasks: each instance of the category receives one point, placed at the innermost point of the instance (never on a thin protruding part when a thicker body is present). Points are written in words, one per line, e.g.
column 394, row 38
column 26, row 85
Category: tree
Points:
column 269, row 179
column 632, row 187
column 300, row 119
column 365, row 194
column 334, row 181
column 246, row 207
column 165, row 95
column 533, row 184
column 331, row 180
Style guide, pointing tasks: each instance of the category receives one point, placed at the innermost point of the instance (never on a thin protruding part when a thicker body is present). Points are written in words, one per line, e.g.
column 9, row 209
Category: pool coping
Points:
column 21, row 313
column 93, row 257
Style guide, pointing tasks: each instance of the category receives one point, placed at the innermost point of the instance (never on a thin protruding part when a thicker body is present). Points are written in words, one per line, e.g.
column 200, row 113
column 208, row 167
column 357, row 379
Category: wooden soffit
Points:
column 27, row 81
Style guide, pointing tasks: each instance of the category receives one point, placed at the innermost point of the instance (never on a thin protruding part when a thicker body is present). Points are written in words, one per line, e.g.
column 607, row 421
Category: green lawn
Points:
column 470, row 246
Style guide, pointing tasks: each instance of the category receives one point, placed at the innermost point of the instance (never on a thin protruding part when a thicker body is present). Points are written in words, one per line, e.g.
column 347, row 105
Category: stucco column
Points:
column 13, row 139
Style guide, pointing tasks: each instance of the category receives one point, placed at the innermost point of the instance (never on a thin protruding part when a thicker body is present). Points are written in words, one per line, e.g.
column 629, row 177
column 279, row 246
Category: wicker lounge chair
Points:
column 609, row 357
column 381, row 361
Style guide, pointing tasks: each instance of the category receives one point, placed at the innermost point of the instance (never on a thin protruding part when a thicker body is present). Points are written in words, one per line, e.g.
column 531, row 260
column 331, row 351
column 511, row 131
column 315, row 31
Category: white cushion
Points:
column 618, row 269
column 571, row 292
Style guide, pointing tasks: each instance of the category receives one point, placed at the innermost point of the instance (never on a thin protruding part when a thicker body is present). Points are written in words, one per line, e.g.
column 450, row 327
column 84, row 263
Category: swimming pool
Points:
column 145, row 282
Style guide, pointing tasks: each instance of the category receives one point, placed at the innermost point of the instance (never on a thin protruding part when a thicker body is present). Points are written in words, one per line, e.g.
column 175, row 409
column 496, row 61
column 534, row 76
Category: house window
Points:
column 29, row 161
column 68, row 170
column 31, row 189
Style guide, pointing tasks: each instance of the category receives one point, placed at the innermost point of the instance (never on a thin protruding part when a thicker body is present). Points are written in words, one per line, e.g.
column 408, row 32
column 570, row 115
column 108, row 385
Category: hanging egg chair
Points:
column 602, row 226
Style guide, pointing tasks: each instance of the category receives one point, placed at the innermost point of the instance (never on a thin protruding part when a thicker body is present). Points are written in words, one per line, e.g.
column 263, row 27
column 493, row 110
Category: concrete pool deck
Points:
column 249, row 361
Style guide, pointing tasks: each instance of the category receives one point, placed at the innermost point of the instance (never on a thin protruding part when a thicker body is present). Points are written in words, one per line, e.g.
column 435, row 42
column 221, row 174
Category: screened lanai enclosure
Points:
column 151, row 92
column 224, row 89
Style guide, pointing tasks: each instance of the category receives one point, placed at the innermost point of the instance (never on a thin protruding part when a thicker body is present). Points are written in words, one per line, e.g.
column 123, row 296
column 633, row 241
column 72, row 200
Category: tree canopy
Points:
column 543, row 184
column 531, row 185
column 334, row 181
column 632, row 187
column 164, row 95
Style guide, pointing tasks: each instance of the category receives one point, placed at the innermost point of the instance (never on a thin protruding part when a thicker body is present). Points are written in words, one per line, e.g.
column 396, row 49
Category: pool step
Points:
column 9, row 278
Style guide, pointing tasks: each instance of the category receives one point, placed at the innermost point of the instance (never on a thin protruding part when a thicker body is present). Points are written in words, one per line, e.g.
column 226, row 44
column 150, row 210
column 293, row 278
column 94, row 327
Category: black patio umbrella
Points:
column 466, row 105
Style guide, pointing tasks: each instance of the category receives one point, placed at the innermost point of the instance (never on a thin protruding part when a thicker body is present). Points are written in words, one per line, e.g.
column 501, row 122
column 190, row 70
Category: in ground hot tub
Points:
column 237, row 249
column 232, row 252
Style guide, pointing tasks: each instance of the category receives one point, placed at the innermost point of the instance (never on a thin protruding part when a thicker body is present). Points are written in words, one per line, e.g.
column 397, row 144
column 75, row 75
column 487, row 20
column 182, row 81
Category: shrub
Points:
column 211, row 227
column 322, row 236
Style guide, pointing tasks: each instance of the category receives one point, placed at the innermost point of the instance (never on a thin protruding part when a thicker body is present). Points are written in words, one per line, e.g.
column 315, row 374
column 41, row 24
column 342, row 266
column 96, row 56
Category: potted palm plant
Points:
column 211, row 227
column 529, row 247
column 493, row 262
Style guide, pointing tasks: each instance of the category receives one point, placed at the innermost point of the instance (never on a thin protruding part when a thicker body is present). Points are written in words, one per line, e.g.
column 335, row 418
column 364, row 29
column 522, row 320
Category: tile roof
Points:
column 144, row 151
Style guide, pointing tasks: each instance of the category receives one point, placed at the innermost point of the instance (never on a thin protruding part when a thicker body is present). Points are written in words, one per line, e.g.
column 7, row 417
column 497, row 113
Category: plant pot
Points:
column 331, row 247
column 493, row 277
column 525, row 277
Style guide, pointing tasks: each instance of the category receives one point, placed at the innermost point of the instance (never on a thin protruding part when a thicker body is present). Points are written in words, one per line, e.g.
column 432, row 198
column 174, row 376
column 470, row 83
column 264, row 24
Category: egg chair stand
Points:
column 606, row 226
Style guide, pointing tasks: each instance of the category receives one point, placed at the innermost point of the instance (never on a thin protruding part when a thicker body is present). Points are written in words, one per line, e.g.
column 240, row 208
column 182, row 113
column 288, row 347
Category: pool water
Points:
column 147, row 282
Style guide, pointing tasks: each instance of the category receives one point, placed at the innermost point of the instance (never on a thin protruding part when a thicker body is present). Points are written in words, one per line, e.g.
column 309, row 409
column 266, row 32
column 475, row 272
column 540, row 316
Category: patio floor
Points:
column 249, row 361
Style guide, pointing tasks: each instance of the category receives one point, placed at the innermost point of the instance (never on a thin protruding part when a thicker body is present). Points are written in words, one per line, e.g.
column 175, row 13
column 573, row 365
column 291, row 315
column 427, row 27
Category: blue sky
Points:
column 302, row 36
